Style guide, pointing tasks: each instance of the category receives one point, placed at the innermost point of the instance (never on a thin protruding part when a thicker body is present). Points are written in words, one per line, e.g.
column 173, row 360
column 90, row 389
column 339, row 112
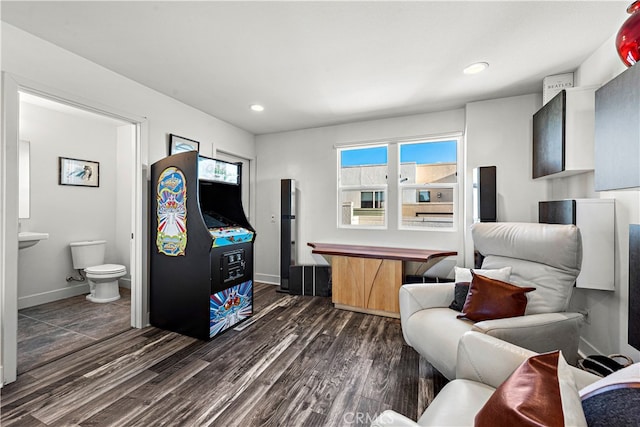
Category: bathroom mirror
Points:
column 23, row 179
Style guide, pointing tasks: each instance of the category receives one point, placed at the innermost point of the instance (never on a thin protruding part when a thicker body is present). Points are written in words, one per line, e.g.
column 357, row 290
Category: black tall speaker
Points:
column 485, row 197
column 287, row 230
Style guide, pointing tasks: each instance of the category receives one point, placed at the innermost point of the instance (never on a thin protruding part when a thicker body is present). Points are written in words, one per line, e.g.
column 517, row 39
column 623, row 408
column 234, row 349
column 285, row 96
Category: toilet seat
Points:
column 106, row 269
column 103, row 282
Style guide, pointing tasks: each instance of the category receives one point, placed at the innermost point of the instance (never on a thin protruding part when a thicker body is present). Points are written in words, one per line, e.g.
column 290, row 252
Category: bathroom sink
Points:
column 27, row 239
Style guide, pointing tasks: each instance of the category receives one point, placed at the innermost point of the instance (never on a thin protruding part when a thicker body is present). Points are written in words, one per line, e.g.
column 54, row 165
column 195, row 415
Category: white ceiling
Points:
column 327, row 62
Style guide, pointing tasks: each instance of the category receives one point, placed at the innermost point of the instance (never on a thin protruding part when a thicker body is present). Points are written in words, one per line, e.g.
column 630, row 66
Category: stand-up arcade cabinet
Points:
column 201, row 249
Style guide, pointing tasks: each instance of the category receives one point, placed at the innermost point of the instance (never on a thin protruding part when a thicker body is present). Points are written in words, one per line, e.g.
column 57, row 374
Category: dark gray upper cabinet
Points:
column 617, row 132
column 548, row 137
column 563, row 134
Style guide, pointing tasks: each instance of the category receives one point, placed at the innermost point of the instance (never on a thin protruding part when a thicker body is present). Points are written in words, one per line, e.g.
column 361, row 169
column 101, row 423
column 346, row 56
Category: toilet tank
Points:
column 88, row 253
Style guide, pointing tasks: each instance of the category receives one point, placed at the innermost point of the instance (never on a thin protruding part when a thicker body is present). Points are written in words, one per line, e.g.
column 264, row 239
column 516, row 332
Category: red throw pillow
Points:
column 493, row 299
column 540, row 392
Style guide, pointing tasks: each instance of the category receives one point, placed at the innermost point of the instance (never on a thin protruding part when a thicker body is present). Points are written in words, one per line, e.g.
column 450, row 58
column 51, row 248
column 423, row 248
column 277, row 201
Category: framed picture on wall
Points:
column 178, row 144
column 85, row 173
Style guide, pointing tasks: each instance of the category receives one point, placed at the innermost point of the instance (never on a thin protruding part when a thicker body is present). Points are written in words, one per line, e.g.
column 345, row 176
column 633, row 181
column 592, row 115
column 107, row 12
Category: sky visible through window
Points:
column 364, row 156
column 429, row 152
column 420, row 153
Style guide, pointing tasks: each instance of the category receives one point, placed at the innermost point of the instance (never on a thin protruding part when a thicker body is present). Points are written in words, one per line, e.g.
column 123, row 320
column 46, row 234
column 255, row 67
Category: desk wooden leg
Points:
column 347, row 277
column 367, row 284
column 383, row 278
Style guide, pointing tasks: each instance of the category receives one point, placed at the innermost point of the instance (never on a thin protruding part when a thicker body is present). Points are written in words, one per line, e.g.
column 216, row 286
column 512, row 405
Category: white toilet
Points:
column 103, row 278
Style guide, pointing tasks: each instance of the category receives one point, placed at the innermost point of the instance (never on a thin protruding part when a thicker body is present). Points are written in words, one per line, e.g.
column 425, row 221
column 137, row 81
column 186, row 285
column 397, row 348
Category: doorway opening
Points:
column 59, row 130
column 54, row 315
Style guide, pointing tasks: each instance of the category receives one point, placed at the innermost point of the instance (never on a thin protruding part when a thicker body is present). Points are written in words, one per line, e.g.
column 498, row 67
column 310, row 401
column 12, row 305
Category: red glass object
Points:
column 628, row 39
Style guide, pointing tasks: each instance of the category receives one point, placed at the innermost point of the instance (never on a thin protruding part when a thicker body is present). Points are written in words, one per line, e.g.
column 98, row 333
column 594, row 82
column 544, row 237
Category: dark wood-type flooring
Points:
column 296, row 362
column 48, row 331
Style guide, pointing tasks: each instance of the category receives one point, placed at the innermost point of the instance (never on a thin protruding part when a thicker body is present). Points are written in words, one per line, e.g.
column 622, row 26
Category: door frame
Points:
column 11, row 86
column 248, row 168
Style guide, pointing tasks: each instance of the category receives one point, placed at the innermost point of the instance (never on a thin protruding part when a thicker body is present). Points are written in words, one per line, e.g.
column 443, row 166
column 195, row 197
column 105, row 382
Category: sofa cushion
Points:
column 435, row 333
column 547, row 257
column 493, row 299
column 464, row 274
column 555, row 245
column 540, row 392
column 553, row 286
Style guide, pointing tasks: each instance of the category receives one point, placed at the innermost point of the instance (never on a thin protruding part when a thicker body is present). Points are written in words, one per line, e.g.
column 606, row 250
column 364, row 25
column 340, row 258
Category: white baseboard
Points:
column 125, row 283
column 271, row 279
column 55, row 295
column 585, row 348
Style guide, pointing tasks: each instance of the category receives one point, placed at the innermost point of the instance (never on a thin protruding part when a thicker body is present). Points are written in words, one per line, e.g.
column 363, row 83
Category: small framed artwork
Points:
column 83, row 173
column 178, row 144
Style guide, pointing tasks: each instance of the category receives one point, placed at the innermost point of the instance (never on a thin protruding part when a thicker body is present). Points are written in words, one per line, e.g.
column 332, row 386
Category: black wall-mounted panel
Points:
column 634, row 285
column 617, row 132
column 557, row 212
column 549, row 137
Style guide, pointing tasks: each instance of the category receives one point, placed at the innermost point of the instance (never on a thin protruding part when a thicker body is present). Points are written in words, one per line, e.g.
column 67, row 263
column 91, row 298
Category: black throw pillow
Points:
column 459, row 296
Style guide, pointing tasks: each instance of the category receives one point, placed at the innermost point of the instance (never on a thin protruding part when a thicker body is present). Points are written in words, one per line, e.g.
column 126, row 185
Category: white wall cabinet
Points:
column 595, row 219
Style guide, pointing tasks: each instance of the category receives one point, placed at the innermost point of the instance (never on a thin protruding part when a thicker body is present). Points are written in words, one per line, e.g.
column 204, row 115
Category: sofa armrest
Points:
column 391, row 418
column 538, row 332
column 419, row 296
column 491, row 361
column 488, row 360
column 414, row 297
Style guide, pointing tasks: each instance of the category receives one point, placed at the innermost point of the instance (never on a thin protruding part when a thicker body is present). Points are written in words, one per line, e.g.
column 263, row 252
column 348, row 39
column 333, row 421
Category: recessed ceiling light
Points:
column 257, row 107
column 476, row 68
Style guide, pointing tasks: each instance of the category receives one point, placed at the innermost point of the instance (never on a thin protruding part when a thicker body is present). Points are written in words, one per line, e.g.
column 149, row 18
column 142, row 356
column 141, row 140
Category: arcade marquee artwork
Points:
column 171, row 200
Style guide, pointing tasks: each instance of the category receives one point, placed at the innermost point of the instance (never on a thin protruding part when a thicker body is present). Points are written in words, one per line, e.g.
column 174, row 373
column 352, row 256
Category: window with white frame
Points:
column 428, row 184
column 362, row 186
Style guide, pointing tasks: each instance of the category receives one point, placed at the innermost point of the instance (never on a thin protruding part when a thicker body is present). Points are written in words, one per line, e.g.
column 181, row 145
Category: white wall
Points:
column 67, row 213
column 608, row 311
column 40, row 64
column 309, row 157
column 45, row 64
column 498, row 134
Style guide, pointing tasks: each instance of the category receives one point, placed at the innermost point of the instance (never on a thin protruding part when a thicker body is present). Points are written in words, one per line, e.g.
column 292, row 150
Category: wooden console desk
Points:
column 368, row 278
